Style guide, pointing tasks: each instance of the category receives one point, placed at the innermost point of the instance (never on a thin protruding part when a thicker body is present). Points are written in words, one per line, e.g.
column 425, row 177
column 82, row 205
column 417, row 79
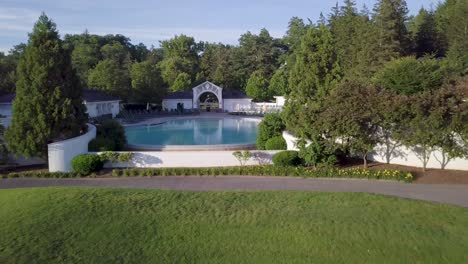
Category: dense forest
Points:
column 383, row 46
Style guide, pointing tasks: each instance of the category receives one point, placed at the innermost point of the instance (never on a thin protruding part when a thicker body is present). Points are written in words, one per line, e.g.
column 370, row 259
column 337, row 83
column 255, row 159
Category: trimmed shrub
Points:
column 271, row 126
column 86, row 164
column 110, row 136
column 287, row 158
column 101, row 144
column 109, row 156
column 276, row 143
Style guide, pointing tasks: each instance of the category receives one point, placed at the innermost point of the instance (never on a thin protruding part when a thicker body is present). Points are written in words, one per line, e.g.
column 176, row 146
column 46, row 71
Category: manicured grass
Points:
column 85, row 225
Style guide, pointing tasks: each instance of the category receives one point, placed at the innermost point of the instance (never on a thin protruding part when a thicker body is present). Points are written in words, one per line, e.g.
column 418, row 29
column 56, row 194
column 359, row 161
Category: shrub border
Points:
column 267, row 170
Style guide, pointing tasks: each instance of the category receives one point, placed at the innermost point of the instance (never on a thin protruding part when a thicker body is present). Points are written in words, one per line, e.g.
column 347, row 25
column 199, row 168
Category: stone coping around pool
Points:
column 160, row 120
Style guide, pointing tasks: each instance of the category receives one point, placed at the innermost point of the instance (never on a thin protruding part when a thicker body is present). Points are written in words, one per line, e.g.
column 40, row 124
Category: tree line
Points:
column 360, row 80
column 317, row 65
column 350, row 44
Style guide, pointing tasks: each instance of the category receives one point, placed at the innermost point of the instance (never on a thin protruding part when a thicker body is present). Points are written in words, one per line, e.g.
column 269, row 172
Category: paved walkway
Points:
column 449, row 194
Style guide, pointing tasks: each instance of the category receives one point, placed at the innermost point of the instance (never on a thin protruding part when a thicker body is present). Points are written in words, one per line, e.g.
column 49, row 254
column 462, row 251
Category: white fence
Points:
column 191, row 159
column 400, row 155
column 61, row 153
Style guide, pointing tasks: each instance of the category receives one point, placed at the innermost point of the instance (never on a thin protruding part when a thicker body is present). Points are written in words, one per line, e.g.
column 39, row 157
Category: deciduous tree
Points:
column 147, row 83
column 257, row 87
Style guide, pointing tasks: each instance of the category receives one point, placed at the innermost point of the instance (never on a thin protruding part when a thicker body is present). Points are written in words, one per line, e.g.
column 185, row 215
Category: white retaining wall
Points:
column 401, row 155
column 191, row 159
column 61, row 153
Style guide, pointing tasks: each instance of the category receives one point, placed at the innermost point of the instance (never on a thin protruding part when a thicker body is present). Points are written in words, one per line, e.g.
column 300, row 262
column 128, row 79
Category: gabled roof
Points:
column 227, row 94
column 234, row 94
column 88, row 96
column 91, row 95
column 206, row 82
column 179, row 95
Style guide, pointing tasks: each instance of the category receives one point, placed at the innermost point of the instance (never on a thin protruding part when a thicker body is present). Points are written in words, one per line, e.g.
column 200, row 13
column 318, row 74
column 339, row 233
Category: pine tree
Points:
column 425, row 35
column 314, row 75
column 393, row 39
column 452, row 25
column 279, row 83
column 343, row 26
column 316, row 70
column 48, row 105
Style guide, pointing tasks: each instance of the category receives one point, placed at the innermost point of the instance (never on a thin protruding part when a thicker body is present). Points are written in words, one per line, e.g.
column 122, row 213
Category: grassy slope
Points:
column 136, row 226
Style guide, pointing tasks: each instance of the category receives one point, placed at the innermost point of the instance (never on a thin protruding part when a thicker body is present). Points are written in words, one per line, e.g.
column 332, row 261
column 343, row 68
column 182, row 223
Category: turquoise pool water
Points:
column 202, row 131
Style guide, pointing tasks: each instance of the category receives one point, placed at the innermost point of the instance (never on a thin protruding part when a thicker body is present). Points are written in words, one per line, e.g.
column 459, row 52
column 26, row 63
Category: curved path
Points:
column 449, row 194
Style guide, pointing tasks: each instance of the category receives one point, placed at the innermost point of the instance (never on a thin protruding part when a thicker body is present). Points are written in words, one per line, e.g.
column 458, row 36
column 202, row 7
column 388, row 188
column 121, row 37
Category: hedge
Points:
column 276, row 143
column 86, row 164
column 287, row 158
column 271, row 126
column 101, row 144
column 267, row 170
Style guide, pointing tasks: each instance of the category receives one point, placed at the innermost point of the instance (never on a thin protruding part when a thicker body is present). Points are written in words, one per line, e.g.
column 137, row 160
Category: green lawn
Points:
column 84, row 225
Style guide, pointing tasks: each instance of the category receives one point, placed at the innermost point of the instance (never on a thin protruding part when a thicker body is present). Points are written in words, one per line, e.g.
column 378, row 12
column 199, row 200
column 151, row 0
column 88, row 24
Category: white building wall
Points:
column 400, row 155
column 280, row 100
column 191, row 159
column 171, row 104
column 95, row 109
column 233, row 105
column 61, row 153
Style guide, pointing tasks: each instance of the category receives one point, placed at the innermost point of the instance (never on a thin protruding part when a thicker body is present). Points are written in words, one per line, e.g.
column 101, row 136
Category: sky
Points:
column 152, row 21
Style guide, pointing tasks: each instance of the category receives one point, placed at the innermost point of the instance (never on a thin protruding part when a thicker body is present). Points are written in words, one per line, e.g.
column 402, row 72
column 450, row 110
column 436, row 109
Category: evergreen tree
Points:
column 392, row 36
column 279, row 83
column 258, row 53
column 344, row 26
column 257, row 87
column 217, row 65
column 409, row 75
column 452, row 24
column 355, row 41
column 48, row 105
column 425, row 35
column 7, row 74
column 315, row 73
column 296, row 30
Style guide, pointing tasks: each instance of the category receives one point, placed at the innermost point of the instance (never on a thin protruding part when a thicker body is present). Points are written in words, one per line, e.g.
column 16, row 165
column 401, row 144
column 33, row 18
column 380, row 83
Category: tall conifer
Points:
column 48, row 105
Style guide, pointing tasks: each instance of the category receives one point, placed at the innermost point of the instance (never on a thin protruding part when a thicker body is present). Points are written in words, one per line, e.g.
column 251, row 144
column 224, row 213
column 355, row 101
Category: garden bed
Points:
column 431, row 176
column 267, row 170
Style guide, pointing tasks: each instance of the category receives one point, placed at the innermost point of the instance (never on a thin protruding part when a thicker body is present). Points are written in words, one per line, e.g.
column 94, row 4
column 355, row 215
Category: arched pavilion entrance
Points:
column 208, row 97
column 208, row 102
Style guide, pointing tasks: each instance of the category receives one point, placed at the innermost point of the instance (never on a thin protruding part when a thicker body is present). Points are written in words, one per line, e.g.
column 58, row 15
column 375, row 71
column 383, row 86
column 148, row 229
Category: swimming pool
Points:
column 195, row 132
